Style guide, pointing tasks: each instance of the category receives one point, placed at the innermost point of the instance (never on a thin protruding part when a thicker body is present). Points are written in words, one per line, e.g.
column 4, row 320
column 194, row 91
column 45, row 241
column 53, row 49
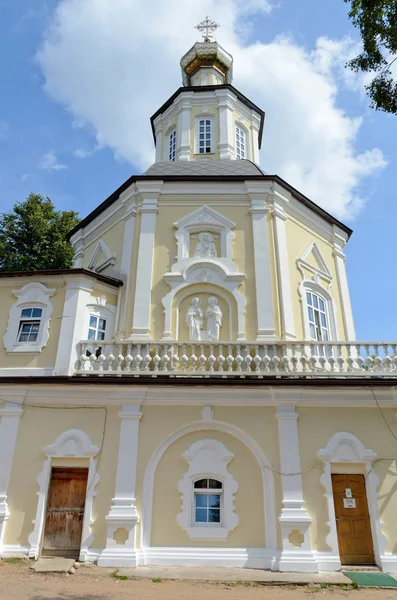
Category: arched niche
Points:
column 204, row 291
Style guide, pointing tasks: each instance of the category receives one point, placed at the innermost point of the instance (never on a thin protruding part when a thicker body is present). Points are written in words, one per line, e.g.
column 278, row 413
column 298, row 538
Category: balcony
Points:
column 278, row 359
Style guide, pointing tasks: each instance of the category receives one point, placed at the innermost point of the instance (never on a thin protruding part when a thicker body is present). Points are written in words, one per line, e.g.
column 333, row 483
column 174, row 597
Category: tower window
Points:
column 240, row 143
column 204, row 136
column 172, row 146
column 318, row 323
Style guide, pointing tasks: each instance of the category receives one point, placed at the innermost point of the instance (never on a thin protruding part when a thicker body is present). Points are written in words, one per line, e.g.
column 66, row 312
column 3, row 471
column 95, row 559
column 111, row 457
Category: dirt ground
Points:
column 18, row 582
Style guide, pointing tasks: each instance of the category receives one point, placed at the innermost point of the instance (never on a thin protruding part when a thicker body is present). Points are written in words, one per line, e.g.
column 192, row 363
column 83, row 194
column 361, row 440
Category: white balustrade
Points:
column 281, row 359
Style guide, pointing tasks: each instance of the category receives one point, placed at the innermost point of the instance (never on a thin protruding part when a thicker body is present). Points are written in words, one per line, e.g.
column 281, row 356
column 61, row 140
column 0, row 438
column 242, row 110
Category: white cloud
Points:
column 81, row 153
column 112, row 63
column 49, row 162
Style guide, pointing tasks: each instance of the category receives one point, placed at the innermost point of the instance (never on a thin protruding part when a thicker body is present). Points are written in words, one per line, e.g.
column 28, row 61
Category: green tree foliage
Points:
column 33, row 236
column 377, row 22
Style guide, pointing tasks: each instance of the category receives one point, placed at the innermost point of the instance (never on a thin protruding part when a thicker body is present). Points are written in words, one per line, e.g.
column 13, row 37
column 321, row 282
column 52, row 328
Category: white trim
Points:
column 77, row 297
column 283, row 272
column 32, row 295
column 149, row 191
column 263, row 276
column 27, row 372
column 10, row 415
column 70, row 444
column 123, row 513
column 293, row 515
column 347, row 312
column 252, row 445
column 110, row 259
column 249, row 558
column 183, row 127
column 208, row 459
column 346, row 448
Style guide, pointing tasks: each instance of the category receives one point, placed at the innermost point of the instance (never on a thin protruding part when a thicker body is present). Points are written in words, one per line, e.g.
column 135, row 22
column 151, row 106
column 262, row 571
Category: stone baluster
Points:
column 230, row 359
column 221, row 358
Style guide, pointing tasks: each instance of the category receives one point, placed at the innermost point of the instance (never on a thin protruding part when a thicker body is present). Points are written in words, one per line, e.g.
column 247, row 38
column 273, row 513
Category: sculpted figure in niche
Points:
column 206, row 246
column 214, row 319
column 195, row 320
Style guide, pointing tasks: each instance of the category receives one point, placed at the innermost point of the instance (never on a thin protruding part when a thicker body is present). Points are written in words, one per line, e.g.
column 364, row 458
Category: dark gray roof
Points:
column 204, row 167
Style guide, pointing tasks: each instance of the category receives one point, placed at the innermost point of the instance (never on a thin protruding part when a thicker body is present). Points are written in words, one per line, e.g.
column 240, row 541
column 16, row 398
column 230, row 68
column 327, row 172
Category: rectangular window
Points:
column 240, row 143
column 207, row 501
column 204, row 136
column 29, row 324
column 172, row 146
column 97, row 328
column 318, row 323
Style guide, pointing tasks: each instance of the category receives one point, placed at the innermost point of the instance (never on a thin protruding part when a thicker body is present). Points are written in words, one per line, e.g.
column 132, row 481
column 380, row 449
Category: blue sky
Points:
column 55, row 141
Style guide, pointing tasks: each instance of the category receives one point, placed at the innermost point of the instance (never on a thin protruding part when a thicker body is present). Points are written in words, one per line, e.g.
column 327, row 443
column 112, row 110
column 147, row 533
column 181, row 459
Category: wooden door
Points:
column 352, row 520
column 65, row 512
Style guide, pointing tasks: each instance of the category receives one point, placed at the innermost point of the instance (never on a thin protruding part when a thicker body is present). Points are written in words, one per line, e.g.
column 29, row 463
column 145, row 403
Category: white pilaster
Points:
column 10, row 416
column 126, row 259
column 78, row 248
column 283, row 272
column 226, row 136
column 263, row 279
column 123, row 514
column 149, row 191
column 78, row 295
column 340, row 265
column 294, row 519
column 256, row 123
column 184, row 127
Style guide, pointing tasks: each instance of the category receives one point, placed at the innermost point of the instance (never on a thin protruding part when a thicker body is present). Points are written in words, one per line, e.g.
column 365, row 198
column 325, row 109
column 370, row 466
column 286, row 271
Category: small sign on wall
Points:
column 349, row 502
column 348, row 493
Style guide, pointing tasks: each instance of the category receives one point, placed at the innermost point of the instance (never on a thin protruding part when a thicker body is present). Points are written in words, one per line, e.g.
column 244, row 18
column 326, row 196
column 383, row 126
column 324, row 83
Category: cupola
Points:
column 207, row 118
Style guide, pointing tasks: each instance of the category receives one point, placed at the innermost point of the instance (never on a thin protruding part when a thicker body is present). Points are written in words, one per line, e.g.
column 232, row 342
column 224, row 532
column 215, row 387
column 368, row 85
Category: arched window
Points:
column 207, row 501
column 317, row 317
column 204, row 136
column 172, row 146
column 240, row 143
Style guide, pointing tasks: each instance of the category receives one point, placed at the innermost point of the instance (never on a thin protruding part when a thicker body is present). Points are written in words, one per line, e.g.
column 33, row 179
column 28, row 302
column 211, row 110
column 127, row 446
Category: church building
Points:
column 192, row 392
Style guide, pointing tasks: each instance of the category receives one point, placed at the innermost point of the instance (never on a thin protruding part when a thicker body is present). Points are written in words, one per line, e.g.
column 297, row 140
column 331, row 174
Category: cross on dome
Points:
column 209, row 27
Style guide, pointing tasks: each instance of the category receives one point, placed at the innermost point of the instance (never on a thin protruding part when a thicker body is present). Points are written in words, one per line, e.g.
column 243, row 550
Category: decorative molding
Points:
column 70, row 444
column 346, row 448
column 322, row 269
column 207, row 414
column 208, row 458
column 32, row 295
column 110, row 259
column 252, row 445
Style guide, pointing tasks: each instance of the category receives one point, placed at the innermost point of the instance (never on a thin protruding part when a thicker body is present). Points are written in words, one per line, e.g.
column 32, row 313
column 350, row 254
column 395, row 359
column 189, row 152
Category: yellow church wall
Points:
column 113, row 238
column 250, row 532
column 159, row 422
column 40, row 427
column 111, row 297
column 45, row 358
column 166, row 250
column 299, row 239
column 316, row 427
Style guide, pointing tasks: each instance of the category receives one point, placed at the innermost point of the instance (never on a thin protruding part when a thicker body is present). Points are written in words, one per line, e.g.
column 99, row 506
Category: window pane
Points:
column 201, row 515
column 34, row 328
column 201, row 483
column 102, row 324
column 315, row 301
column 32, row 337
column 323, row 320
column 25, row 328
column 322, row 307
column 215, row 484
column 324, row 335
column 214, row 515
column 214, row 501
column 101, row 335
column 91, row 334
column 309, row 298
column 201, row 500
column 26, row 312
column 312, row 332
column 93, row 321
column 37, row 312
column 311, row 316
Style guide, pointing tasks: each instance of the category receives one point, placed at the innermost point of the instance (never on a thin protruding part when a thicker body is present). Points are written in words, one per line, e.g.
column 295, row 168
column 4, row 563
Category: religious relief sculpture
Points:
column 206, row 246
column 195, row 320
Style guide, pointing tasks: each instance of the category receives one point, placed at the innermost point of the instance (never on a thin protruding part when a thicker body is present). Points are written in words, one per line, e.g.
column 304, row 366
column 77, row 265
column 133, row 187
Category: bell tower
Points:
column 207, row 118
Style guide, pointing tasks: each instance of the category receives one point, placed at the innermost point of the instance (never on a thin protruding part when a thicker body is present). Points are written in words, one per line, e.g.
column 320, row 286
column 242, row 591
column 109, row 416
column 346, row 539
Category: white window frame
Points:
column 242, row 130
column 208, row 459
column 316, row 288
column 172, row 145
column 32, row 295
column 207, row 491
column 197, row 135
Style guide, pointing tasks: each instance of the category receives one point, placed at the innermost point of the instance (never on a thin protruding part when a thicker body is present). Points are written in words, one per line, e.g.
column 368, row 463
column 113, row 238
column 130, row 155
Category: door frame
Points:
column 343, row 453
column 72, row 444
